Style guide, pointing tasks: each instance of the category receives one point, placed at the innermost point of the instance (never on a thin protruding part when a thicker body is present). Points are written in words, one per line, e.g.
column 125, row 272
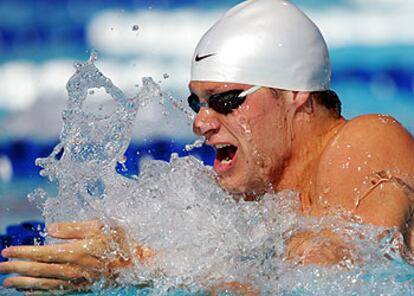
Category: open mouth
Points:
column 225, row 157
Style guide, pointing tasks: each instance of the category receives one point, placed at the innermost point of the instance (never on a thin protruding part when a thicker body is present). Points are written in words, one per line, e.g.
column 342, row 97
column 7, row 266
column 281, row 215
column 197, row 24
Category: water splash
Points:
column 196, row 144
column 201, row 235
column 90, row 144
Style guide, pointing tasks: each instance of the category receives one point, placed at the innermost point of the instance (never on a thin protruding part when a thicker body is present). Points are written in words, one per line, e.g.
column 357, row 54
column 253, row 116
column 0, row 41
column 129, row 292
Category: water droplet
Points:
column 122, row 159
column 95, row 188
column 135, row 28
column 77, row 65
column 196, row 144
column 93, row 56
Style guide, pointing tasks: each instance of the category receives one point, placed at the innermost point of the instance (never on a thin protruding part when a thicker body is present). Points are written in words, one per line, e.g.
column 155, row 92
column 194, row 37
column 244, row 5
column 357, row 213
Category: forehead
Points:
column 206, row 88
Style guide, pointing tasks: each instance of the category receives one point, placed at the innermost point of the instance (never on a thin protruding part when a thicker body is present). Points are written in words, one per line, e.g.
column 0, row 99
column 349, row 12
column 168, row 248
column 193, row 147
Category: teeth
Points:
column 219, row 146
column 226, row 161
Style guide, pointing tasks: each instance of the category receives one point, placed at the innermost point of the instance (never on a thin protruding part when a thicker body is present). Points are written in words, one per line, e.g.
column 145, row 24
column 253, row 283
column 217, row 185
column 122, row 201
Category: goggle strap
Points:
column 249, row 91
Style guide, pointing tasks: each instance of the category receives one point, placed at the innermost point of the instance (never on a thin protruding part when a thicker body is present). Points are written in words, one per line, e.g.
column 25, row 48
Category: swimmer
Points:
column 260, row 85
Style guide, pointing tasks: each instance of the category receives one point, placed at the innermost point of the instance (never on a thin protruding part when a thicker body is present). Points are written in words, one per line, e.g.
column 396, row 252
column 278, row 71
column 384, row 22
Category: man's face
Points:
column 252, row 142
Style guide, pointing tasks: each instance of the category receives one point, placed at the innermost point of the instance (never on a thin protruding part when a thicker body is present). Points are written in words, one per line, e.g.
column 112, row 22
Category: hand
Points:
column 69, row 267
column 234, row 288
column 324, row 248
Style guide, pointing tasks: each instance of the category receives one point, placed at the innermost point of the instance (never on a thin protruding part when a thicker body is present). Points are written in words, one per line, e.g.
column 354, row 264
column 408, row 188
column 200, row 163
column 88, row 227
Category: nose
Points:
column 206, row 123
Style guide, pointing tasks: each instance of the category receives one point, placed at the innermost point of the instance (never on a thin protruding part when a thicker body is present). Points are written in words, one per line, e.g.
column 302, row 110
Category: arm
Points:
column 365, row 170
column 235, row 288
column 320, row 248
column 72, row 266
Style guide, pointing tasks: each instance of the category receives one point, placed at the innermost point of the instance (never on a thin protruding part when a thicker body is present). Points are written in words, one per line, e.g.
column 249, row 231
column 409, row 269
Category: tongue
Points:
column 225, row 159
column 231, row 151
column 226, row 153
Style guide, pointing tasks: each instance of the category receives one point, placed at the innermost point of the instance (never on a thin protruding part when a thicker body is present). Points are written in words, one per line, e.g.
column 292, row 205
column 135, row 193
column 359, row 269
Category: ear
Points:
column 299, row 105
column 300, row 101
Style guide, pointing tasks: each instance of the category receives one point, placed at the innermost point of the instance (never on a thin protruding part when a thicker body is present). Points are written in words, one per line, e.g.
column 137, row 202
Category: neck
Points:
column 311, row 133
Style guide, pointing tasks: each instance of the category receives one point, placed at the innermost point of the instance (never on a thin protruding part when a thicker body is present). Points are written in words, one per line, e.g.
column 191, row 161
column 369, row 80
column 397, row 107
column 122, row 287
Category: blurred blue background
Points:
column 372, row 52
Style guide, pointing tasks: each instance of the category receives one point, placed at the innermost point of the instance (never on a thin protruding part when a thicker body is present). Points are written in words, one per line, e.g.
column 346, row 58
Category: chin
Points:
column 247, row 177
column 231, row 185
column 242, row 186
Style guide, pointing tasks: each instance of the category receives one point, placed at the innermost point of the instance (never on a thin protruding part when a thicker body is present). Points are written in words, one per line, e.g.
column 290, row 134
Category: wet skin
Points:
column 258, row 128
column 306, row 148
column 285, row 141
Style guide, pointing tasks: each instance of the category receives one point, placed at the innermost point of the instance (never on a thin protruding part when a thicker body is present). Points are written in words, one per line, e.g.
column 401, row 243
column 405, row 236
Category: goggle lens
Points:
column 223, row 103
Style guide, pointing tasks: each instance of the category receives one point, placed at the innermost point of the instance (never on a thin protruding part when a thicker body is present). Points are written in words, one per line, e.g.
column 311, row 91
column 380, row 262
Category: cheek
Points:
column 261, row 127
column 271, row 136
column 254, row 109
column 270, row 130
column 250, row 121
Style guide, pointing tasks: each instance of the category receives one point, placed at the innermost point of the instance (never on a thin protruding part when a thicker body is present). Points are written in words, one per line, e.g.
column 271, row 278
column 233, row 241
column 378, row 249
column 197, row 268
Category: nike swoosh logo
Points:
column 199, row 58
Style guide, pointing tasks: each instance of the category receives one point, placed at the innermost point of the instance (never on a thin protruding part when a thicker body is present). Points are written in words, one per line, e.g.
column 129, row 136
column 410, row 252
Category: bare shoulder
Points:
column 364, row 148
column 379, row 140
column 373, row 129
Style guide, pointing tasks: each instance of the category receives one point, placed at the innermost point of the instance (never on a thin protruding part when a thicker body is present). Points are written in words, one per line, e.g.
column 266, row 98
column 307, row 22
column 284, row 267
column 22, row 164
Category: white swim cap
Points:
column 267, row 43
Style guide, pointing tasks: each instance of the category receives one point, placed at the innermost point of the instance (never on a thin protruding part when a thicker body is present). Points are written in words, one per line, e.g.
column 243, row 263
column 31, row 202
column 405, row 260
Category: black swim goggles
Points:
column 224, row 102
